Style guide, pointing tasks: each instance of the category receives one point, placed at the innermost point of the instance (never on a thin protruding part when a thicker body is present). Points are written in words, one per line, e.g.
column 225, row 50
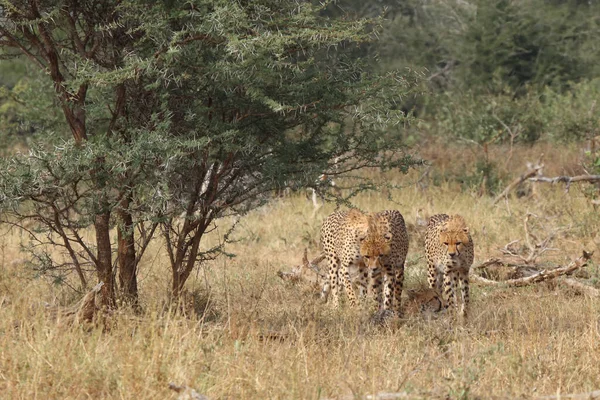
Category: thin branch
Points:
column 534, row 170
column 567, row 180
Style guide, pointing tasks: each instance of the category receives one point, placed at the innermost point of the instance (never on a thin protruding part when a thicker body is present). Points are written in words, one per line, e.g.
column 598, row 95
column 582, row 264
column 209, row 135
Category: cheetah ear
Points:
column 388, row 236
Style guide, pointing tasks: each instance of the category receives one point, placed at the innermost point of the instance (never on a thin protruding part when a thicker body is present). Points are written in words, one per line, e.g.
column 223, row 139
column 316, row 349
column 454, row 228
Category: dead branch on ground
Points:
column 532, row 170
column 513, row 257
column 541, row 276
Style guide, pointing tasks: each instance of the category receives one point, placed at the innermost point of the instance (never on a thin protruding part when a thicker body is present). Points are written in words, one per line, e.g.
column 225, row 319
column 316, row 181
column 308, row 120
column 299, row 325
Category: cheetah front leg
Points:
column 398, row 286
column 388, row 287
column 464, row 285
column 450, row 283
column 345, row 276
column 375, row 284
column 332, row 283
column 435, row 278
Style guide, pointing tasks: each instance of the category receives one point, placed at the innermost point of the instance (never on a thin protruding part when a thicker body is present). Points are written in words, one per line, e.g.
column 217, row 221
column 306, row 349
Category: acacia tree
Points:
column 185, row 112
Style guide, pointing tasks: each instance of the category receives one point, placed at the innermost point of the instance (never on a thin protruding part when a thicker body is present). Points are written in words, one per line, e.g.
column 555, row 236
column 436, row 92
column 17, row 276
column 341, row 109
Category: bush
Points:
column 573, row 114
column 486, row 118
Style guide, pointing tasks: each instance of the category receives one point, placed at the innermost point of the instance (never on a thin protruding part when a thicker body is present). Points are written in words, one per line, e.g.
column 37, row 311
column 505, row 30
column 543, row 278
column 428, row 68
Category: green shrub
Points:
column 573, row 114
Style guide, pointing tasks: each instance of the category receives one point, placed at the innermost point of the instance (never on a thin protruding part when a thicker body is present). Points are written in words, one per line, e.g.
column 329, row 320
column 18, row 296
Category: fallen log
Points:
column 541, row 276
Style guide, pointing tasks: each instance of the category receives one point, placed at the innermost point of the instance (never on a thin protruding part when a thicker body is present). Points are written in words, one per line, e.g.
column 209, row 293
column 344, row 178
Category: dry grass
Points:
column 262, row 338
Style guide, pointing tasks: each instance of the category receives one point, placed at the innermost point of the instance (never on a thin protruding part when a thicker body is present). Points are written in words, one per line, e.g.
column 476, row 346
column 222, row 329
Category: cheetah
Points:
column 449, row 251
column 424, row 301
column 367, row 251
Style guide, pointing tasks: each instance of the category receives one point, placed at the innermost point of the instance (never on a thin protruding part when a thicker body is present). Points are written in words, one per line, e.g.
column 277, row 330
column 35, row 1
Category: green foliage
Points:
column 26, row 104
column 483, row 178
column 572, row 115
column 553, row 114
column 490, row 117
column 194, row 109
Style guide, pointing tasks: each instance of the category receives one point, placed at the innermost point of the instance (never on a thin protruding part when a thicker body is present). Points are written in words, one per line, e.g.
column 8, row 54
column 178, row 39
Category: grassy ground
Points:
column 262, row 338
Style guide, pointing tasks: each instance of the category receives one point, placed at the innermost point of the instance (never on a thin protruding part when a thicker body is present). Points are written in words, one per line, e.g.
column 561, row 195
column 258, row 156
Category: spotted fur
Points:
column 365, row 252
column 425, row 301
column 449, row 251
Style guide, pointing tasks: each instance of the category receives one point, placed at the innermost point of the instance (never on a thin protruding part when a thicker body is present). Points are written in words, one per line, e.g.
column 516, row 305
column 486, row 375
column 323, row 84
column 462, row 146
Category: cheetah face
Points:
column 454, row 241
column 373, row 249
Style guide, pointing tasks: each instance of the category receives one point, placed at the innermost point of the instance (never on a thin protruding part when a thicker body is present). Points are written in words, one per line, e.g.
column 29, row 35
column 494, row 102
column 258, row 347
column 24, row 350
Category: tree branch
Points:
column 541, row 276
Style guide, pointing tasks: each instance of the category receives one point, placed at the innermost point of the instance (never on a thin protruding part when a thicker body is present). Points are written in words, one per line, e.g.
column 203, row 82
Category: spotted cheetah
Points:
column 424, row 301
column 365, row 251
column 449, row 251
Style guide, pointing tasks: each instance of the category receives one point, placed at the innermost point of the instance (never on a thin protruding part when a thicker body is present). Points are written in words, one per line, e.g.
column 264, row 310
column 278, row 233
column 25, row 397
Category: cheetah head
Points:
column 373, row 248
column 425, row 300
column 454, row 240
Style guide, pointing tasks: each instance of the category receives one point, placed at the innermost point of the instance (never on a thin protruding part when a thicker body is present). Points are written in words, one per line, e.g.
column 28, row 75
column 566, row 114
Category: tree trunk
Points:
column 126, row 254
column 184, row 266
column 104, row 259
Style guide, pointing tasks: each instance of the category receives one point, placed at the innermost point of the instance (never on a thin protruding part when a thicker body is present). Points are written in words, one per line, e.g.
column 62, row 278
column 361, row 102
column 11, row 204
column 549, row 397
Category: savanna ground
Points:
column 262, row 338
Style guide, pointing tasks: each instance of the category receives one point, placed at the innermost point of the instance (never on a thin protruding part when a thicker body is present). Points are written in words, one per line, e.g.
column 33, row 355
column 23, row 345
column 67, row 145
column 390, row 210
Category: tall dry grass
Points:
column 262, row 338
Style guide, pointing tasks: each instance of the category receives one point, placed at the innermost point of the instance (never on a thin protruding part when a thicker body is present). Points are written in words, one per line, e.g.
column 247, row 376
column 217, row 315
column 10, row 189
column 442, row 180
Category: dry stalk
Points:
column 541, row 276
column 378, row 396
